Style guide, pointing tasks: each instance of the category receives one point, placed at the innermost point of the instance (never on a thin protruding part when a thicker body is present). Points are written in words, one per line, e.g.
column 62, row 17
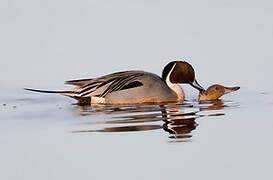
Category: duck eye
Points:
column 216, row 88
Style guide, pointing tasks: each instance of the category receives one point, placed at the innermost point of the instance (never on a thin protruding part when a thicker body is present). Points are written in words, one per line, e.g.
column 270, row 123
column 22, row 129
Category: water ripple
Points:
column 179, row 120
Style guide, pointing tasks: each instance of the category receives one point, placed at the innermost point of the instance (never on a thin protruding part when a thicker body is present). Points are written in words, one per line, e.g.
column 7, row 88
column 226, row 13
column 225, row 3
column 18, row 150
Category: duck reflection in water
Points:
column 179, row 120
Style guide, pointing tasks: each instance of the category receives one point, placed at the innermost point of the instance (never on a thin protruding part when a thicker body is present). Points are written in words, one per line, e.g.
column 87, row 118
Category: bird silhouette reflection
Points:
column 179, row 120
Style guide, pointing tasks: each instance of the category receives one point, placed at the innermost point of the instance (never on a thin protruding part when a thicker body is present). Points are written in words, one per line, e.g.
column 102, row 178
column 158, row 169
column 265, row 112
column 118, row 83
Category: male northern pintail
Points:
column 131, row 87
column 215, row 91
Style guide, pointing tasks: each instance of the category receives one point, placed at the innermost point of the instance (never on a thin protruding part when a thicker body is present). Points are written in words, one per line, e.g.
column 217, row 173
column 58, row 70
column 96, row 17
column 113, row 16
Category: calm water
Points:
column 48, row 137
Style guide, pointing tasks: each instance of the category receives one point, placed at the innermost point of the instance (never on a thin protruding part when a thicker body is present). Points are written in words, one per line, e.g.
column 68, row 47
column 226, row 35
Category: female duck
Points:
column 131, row 87
column 215, row 91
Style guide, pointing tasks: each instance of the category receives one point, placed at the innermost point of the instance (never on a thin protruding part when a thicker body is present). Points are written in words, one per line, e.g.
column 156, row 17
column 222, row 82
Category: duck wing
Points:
column 79, row 82
column 86, row 82
column 104, row 85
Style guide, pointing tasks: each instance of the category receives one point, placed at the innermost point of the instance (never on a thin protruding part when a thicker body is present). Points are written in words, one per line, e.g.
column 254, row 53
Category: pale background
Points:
column 44, row 43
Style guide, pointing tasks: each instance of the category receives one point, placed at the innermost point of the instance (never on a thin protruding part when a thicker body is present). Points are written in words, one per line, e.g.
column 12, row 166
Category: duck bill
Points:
column 197, row 86
column 230, row 89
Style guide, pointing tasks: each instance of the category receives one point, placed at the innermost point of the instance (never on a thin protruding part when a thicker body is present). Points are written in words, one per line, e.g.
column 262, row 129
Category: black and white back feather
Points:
column 102, row 86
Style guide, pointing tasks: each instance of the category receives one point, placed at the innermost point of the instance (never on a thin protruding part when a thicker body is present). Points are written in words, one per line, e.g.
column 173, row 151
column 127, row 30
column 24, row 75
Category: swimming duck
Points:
column 131, row 87
column 215, row 91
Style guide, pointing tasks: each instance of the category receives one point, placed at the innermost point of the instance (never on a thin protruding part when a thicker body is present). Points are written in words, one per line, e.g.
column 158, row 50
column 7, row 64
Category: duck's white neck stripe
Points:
column 169, row 83
column 175, row 87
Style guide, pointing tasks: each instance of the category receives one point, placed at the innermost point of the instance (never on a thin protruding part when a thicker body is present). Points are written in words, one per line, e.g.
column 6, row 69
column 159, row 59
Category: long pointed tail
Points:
column 65, row 93
column 45, row 91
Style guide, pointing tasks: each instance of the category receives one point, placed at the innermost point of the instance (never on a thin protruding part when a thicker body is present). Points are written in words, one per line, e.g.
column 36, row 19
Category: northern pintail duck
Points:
column 215, row 91
column 131, row 87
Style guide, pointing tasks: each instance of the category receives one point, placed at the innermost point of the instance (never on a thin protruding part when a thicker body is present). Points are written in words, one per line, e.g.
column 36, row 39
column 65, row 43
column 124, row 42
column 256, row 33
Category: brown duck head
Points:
column 215, row 91
column 180, row 72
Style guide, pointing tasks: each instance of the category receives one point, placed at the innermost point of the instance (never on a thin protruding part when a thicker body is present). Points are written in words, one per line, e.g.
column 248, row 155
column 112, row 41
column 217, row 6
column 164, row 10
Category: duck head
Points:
column 215, row 91
column 180, row 72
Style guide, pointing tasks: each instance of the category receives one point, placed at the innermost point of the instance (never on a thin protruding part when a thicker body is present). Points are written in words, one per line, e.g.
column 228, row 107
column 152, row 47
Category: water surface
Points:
column 50, row 137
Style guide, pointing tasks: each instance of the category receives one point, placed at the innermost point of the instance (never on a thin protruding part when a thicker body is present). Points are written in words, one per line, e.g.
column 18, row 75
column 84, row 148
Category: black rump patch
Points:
column 84, row 101
column 132, row 85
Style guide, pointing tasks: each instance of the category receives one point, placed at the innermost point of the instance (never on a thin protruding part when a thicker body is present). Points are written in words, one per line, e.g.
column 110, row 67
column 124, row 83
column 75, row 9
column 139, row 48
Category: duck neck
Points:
column 175, row 87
